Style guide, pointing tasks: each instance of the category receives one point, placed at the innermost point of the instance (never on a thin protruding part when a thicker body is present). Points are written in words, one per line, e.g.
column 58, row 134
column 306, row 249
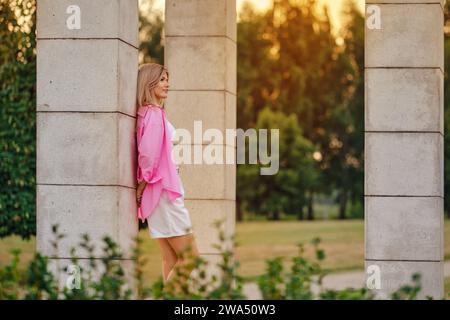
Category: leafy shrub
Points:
column 105, row 279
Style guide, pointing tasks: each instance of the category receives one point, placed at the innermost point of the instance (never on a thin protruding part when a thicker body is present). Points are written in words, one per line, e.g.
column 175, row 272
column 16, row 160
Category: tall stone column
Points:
column 87, row 60
column 200, row 52
column 404, row 132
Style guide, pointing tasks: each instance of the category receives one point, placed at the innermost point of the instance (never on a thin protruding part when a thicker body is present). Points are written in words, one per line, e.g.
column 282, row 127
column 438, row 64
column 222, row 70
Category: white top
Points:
column 171, row 135
column 171, row 130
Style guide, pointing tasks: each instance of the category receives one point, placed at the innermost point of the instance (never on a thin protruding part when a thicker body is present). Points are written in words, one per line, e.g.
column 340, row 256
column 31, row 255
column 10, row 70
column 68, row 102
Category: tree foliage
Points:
column 290, row 61
column 17, row 118
column 283, row 192
column 151, row 33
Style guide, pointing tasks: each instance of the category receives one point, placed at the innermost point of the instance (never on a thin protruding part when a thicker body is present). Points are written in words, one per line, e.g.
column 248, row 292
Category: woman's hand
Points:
column 139, row 191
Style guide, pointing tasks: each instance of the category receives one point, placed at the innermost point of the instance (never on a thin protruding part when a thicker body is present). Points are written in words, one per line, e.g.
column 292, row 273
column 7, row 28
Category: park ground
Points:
column 257, row 241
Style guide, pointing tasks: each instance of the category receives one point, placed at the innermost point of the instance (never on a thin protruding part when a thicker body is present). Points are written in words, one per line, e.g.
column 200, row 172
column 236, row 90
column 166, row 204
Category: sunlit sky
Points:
column 334, row 6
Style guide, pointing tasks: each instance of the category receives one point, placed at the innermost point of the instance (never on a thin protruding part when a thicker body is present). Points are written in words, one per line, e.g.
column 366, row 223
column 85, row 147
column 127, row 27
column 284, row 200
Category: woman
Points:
column 160, row 193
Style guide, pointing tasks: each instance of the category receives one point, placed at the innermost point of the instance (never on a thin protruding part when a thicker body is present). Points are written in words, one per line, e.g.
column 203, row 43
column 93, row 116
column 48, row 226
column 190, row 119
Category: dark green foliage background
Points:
column 17, row 120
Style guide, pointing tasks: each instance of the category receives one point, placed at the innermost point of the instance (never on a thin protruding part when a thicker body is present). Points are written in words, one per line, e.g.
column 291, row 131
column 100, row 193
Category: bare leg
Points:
column 180, row 244
column 169, row 257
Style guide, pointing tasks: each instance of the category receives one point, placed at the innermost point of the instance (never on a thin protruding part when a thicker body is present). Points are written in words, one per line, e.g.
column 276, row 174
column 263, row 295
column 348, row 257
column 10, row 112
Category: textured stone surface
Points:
column 86, row 75
column 86, row 148
column 203, row 214
column 99, row 19
column 411, row 35
column 404, row 100
column 201, row 17
column 95, row 210
column 406, row 164
column 404, row 228
column 201, row 63
column 395, row 274
column 404, row 168
column 219, row 184
column 215, row 110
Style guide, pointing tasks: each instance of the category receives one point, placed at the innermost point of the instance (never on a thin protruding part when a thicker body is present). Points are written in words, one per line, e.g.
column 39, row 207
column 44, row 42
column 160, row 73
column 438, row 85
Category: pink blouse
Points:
column 155, row 163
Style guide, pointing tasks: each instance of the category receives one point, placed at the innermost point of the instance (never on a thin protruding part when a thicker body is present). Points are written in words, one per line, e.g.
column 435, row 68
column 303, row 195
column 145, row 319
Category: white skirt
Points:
column 169, row 218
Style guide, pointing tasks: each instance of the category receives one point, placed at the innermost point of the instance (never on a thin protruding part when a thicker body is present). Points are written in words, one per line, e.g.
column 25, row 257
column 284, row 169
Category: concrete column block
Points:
column 231, row 111
column 86, row 148
column 101, row 19
column 200, row 54
column 219, row 184
column 203, row 215
column 404, row 100
column 215, row 110
column 201, row 63
column 230, row 181
column 404, row 228
column 201, row 18
column 86, row 152
column 394, row 274
column 231, row 66
column 404, row 164
column 96, row 210
column 86, row 75
column 411, row 35
column 59, row 268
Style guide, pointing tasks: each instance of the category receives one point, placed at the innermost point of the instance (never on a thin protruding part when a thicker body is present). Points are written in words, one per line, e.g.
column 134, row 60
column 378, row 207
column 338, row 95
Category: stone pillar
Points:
column 404, row 132
column 200, row 52
column 87, row 60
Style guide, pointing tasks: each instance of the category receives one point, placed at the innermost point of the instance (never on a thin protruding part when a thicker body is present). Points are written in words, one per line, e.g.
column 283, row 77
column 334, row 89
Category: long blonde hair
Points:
column 148, row 77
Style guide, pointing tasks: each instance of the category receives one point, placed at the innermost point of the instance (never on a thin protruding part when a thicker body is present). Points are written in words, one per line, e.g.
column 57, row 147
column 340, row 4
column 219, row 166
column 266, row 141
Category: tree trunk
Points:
column 310, row 206
column 239, row 213
column 276, row 215
column 300, row 214
column 342, row 205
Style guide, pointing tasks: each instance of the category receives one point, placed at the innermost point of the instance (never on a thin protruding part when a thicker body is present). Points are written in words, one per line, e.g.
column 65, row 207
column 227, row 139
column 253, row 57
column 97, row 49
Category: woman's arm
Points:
column 139, row 190
column 149, row 150
column 150, row 145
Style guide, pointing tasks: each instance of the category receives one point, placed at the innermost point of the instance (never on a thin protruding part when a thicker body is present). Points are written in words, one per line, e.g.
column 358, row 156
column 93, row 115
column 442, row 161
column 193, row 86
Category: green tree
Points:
column 151, row 33
column 289, row 60
column 255, row 75
column 285, row 191
column 17, row 118
column 344, row 154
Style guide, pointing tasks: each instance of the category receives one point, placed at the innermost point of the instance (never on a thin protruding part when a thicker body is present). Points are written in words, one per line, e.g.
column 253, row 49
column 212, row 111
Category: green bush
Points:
column 104, row 279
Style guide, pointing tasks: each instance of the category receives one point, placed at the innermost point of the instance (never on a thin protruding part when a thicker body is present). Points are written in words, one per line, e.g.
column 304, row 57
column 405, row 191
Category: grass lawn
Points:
column 343, row 242
column 447, row 287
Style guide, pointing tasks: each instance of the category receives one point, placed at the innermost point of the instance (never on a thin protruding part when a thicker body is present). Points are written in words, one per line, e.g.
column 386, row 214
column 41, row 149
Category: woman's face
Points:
column 162, row 87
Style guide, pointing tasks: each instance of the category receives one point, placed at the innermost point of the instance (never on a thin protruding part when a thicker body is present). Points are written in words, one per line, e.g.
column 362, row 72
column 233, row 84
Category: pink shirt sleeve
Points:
column 150, row 145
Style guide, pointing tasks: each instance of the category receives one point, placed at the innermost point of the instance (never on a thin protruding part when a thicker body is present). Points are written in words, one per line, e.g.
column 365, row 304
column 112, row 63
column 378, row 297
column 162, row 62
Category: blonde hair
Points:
column 148, row 77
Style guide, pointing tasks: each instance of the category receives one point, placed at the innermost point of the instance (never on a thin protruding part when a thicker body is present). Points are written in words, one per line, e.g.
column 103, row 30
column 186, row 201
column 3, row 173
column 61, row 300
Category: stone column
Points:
column 200, row 52
column 404, row 132
column 87, row 60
